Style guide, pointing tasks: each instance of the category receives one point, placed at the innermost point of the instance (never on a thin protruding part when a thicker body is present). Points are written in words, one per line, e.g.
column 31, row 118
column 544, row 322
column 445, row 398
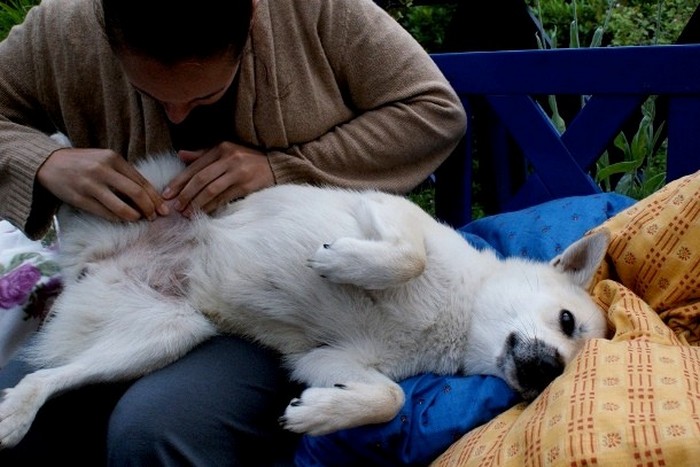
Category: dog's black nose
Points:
column 535, row 374
column 536, row 364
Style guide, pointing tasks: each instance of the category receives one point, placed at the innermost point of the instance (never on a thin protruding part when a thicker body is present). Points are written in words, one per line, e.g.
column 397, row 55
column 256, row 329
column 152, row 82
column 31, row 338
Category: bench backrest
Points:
column 511, row 132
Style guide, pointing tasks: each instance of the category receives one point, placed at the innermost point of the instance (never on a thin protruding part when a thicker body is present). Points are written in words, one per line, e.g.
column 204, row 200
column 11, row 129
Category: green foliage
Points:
column 12, row 12
column 630, row 22
column 642, row 169
column 424, row 197
column 426, row 23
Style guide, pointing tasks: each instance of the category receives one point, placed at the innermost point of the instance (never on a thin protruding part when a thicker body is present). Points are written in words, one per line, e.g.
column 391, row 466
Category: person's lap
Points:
column 218, row 405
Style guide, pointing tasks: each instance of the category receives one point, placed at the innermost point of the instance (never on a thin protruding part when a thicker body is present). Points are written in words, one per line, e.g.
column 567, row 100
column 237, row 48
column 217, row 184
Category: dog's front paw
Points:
column 17, row 412
column 316, row 412
column 319, row 411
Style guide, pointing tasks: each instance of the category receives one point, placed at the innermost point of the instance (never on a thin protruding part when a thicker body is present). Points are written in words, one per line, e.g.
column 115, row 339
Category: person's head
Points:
column 181, row 53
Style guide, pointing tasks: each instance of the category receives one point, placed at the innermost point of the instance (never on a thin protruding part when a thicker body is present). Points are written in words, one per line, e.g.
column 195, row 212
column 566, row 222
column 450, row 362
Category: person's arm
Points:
column 333, row 92
column 407, row 117
column 46, row 84
column 24, row 124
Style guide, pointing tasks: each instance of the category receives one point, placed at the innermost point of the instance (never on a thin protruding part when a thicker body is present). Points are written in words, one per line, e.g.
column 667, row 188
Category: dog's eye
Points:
column 567, row 322
column 81, row 275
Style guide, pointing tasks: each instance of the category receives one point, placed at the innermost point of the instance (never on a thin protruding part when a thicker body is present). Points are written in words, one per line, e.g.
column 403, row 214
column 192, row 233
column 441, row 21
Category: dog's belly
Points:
column 161, row 256
column 285, row 305
column 251, row 277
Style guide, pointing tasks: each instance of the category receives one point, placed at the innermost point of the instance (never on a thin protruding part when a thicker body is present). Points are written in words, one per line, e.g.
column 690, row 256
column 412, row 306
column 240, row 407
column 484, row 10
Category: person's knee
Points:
column 135, row 431
column 217, row 405
column 146, row 432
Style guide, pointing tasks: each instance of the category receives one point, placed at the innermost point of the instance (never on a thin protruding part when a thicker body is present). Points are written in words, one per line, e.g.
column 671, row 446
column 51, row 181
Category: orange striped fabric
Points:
column 633, row 399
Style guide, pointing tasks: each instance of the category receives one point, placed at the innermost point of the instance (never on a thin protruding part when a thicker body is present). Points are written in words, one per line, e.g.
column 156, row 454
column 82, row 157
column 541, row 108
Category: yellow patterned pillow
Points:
column 655, row 252
column 633, row 399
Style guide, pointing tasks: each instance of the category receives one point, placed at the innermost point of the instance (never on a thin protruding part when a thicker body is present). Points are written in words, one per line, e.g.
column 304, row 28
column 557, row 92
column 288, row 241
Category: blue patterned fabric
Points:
column 440, row 409
column 544, row 231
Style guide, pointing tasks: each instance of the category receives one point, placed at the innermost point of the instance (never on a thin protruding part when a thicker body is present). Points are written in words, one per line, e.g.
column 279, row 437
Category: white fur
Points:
column 356, row 289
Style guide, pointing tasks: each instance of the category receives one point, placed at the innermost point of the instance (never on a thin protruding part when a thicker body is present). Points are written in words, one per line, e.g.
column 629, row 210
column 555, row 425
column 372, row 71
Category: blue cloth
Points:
column 544, row 231
column 440, row 409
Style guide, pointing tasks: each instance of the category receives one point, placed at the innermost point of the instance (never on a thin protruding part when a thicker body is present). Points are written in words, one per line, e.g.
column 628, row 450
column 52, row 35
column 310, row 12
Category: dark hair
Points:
column 174, row 30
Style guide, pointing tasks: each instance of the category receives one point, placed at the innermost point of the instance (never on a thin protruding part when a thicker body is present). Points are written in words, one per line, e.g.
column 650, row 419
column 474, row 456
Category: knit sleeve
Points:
column 25, row 125
column 57, row 73
column 404, row 117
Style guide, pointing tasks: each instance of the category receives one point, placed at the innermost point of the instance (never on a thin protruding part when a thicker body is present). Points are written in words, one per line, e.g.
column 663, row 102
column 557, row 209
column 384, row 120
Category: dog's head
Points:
column 533, row 318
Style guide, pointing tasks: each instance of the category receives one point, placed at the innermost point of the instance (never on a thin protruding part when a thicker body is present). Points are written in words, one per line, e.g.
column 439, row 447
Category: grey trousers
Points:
column 217, row 406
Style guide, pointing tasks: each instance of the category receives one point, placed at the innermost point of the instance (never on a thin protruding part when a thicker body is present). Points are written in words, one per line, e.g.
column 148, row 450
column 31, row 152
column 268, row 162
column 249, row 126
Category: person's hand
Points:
column 216, row 176
column 101, row 182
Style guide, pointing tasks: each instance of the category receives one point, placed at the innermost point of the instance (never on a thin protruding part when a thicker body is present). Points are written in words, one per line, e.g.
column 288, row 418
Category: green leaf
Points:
column 21, row 258
column 617, row 168
column 48, row 268
column 626, row 185
column 622, row 144
column 597, row 37
column 652, row 184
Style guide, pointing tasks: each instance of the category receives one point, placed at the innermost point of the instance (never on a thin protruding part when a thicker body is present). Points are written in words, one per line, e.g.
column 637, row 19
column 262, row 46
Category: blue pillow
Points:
column 437, row 412
column 440, row 409
column 544, row 231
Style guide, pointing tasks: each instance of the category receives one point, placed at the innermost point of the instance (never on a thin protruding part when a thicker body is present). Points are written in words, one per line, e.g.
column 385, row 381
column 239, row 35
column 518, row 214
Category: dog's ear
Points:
column 582, row 258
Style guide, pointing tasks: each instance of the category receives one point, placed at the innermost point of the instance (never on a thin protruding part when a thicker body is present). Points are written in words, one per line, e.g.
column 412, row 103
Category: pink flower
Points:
column 16, row 285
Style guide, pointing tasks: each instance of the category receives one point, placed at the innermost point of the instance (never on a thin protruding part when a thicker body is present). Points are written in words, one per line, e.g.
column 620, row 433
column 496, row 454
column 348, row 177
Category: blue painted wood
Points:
column 662, row 69
column 534, row 163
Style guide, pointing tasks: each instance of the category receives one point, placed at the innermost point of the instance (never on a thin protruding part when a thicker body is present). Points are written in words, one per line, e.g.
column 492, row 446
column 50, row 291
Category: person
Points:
column 249, row 93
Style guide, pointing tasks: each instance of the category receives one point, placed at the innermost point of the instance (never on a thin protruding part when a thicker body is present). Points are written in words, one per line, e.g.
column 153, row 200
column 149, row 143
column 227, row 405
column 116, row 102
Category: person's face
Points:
column 183, row 86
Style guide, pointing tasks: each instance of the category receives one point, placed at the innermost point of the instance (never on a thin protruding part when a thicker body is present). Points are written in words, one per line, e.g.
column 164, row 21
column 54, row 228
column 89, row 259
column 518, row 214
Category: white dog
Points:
column 356, row 289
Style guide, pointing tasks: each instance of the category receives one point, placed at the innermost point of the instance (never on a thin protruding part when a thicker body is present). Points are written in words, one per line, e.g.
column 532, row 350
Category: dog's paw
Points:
column 331, row 259
column 347, row 261
column 319, row 411
column 17, row 412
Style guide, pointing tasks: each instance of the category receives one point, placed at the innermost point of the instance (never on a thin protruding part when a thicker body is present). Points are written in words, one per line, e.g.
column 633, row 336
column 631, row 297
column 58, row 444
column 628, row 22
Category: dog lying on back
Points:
column 356, row 289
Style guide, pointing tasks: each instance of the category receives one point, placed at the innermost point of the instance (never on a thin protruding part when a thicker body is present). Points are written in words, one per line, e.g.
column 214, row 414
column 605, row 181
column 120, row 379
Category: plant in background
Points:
column 638, row 168
column 629, row 22
column 12, row 12
column 426, row 23
column 642, row 169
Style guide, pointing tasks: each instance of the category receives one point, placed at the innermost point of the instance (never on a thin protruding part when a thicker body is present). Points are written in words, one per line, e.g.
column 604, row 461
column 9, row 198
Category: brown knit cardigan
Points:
column 334, row 91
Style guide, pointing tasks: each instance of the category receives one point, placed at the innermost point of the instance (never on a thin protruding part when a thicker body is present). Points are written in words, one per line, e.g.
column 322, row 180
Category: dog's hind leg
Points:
column 391, row 252
column 343, row 393
column 156, row 334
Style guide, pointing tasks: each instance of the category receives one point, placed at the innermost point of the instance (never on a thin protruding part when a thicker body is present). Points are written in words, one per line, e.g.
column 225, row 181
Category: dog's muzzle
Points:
column 529, row 365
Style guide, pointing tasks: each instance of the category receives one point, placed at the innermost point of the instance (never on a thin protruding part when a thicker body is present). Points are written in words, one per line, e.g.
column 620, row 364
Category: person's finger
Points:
column 202, row 187
column 189, row 156
column 176, row 185
column 227, row 196
column 139, row 192
column 109, row 206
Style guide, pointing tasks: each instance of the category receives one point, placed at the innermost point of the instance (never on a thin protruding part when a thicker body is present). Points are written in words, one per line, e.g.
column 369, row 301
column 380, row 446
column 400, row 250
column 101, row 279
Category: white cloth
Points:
column 29, row 280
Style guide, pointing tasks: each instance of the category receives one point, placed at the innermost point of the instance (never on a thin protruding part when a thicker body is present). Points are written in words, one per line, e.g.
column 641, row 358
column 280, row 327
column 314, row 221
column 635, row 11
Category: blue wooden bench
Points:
column 533, row 162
